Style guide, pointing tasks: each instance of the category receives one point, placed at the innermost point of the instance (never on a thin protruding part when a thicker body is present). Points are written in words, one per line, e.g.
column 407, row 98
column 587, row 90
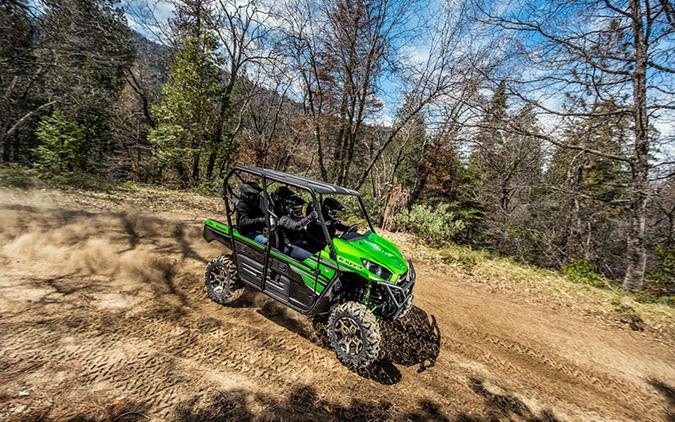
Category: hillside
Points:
column 103, row 317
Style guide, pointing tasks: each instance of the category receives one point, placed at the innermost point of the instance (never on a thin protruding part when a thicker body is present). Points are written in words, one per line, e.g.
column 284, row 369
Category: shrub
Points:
column 435, row 226
column 16, row 176
column 463, row 256
column 581, row 271
column 662, row 279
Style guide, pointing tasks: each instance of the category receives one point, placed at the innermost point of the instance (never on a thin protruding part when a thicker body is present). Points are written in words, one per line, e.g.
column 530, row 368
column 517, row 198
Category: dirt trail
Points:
column 103, row 315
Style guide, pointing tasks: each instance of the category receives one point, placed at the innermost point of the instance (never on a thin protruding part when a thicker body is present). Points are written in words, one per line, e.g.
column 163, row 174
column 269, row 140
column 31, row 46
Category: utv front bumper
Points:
column 400, row 292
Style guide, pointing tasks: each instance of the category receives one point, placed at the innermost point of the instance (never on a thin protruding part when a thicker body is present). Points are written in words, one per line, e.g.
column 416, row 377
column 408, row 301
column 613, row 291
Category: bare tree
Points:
column 341, row 51
column 581, row 53
column 246, row 31
column 268, row 114
column 20, row 72
column 445, row 85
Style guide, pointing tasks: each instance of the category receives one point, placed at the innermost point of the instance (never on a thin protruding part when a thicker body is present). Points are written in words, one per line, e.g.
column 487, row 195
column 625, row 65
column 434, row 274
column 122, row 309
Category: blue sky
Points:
column 415, row 49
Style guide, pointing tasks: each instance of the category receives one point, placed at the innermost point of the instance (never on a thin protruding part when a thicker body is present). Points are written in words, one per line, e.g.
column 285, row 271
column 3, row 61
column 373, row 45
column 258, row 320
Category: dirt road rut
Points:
column 103, row 316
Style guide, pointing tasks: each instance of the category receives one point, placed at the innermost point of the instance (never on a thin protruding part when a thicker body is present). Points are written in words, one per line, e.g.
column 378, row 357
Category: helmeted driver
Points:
column 250, row 217
column 330, row 209
column 292, row 228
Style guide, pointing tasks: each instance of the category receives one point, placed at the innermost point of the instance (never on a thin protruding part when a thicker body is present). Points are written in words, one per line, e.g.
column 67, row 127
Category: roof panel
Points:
column 317, row 185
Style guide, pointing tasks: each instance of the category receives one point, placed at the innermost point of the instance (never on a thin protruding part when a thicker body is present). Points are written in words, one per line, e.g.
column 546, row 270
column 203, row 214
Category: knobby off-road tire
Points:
column 221, row 281
column 354, row 334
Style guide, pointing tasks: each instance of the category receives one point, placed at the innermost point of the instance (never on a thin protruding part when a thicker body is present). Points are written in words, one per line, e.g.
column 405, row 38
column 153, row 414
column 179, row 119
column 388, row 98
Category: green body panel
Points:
column 308, row 271
column 223, row 228
column 317, row 271
column 374, row 248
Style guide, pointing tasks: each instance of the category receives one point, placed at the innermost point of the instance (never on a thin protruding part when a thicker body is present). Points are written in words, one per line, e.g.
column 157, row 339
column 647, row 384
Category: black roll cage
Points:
column 297, row 182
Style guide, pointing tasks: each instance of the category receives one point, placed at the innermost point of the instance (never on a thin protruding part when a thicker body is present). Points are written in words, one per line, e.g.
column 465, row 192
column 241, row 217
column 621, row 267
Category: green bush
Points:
column 466, row 258
column 642, row 296
column 81, row 180
column 662, row 279
column 16, row 176
column 435, row 226
column 581, row 271
column 628, row 315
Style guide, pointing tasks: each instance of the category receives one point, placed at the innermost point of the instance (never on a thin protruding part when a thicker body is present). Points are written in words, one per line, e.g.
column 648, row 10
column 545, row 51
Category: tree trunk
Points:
column 420, row 184
column 210, row 165
column 218, row 134
column 636, row 254
column 195, row 167
column 6, row 152
column 182, row 175
column 573, row 221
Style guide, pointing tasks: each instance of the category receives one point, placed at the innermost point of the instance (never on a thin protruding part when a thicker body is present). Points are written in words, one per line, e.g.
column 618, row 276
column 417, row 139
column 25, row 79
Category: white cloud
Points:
column 415, row 54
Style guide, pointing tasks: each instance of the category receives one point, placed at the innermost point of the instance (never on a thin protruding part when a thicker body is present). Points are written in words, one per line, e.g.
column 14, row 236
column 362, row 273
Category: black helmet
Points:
column 249, row 188
column 331, row 207
column 293, row 205
column 278, row 198
column 283, row 192
column 249, row 191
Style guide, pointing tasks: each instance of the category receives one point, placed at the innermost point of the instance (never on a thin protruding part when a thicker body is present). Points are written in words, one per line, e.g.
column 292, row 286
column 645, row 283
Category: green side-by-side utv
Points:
column 357, row 279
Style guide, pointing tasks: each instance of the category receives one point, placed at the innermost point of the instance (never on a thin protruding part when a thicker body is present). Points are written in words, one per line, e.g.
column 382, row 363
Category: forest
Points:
column 540, row 131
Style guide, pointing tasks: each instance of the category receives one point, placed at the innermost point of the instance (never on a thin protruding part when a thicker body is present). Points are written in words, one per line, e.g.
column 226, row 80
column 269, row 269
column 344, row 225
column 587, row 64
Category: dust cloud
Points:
column 120, row 245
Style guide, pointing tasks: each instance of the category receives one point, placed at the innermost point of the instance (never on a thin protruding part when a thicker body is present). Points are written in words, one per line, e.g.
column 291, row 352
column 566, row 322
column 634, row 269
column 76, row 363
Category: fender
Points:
column 210, row 234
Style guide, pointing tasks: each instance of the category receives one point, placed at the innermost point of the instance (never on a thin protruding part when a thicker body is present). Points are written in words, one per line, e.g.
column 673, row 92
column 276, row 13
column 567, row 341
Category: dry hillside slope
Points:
column 103, row 316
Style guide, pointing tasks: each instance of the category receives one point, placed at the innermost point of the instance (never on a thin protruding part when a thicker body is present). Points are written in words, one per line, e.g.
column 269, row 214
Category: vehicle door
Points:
column 249, row 254
column 288, row 280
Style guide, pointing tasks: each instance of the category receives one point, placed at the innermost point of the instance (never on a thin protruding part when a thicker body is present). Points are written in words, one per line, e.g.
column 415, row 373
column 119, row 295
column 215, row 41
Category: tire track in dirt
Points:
column 123, row 313
column 164, row 342
column 550, row 373
column 545, row 367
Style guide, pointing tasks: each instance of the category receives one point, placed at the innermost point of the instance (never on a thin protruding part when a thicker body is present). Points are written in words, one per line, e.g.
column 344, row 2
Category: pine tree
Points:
column 187, row 114
column 87, row 47
column 588, row 192
column 508, row 159
column 62, row 144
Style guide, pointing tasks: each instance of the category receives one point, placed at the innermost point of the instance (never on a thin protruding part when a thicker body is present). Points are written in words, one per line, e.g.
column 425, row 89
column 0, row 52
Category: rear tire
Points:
column 354, row 334
column 221, row 281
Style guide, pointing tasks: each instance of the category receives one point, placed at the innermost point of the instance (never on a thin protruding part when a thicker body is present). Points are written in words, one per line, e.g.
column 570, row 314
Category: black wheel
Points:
column 354, row 334
column 222, row 283
column 406, row 307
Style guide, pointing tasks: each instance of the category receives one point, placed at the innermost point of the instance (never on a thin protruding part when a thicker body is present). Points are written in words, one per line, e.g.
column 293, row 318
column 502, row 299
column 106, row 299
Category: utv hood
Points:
column 374, row 248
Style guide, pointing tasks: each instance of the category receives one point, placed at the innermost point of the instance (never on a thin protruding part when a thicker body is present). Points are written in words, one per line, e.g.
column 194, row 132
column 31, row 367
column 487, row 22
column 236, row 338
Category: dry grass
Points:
column 536, row 285
column 527, row 283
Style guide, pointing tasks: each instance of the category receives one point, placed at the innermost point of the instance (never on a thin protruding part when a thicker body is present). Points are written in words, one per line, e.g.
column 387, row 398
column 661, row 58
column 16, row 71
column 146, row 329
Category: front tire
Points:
column 221, row 281
column 354, row 334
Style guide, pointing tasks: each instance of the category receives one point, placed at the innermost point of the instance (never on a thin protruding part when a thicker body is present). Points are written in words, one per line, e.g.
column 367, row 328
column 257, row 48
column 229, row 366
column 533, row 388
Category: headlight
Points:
column 376, row 269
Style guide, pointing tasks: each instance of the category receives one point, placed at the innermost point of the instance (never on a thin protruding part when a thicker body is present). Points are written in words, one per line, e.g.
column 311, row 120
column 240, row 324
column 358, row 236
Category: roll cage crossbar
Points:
column 315, row 188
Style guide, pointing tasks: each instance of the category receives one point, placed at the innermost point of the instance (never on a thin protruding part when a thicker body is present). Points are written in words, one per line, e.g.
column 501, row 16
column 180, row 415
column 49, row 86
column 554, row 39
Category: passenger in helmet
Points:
column 330, row 208
column 250, row 217
column 292, row 228
column 278, row 197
